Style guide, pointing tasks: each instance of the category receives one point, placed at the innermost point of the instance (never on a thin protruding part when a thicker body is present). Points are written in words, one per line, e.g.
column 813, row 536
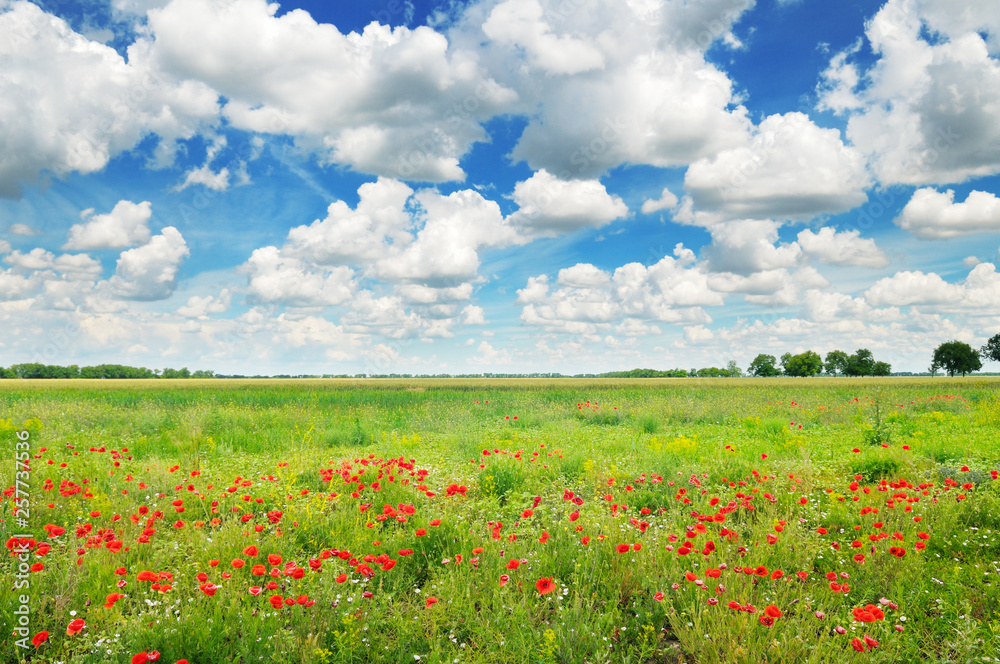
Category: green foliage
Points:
column 764, row 366
column 804, row 364
column 876, row 468
column 861, row 363
column 956, row 357
column 991, row 350
column 103, row 371
column 500, row 481
column 646, row 373
column 353, row 436
column 648, row 424
column 836, row 362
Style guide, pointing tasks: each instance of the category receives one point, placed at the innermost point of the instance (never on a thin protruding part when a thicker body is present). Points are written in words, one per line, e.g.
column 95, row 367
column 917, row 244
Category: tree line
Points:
column 809, row 363
column 954, row 357
column 36, row 370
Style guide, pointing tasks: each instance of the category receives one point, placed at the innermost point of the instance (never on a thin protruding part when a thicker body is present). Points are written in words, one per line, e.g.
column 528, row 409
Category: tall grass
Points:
column 487, row 468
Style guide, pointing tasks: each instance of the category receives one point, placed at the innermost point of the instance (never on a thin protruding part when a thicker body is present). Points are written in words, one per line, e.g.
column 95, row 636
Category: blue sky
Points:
column 501, row 186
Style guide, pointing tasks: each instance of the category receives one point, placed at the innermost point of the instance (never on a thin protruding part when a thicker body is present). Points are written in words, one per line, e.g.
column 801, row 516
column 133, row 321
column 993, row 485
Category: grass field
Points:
column 676, row 520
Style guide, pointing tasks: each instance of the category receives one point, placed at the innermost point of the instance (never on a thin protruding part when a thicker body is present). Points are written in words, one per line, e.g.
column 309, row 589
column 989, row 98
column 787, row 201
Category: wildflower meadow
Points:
column 676, row 520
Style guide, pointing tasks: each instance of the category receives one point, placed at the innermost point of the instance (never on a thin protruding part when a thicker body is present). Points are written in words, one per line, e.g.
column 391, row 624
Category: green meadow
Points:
column 562, row 520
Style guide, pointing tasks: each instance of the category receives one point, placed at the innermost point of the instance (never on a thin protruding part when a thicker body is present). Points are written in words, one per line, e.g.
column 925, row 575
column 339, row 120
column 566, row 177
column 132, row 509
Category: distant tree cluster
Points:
column 809, row 363
column 36, row 370
column 959, row 357
column 731, row 371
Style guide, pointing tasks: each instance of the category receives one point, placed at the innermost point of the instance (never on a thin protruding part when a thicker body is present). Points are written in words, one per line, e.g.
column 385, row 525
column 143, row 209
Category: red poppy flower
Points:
column 40, row 638
column 75, row 626
column 766, row 620
column 623, row 548
column 274, row 558
column 431, row 601
column 858, row 644
column 513, row 563
column 342, row 578
column 503, row 580
column 659, row 597
column 545, row 586
column 255, row 590
column 238, row 563
column 870, row 642
column 250, row 551
column 772, row 611
column 276, row 601
column 421, row 532
column 140, row 658
column 146, row 575
column 208, row 588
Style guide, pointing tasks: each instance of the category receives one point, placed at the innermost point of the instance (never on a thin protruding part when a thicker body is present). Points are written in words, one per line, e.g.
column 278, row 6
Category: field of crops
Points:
column 717, row 520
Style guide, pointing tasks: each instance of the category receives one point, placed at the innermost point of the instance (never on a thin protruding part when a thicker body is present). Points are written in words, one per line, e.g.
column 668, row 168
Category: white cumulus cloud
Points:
column 125, row 226
column 842, row 248
column 149, row 272
column 788, row 168
column 549, row 206
column 934, row 215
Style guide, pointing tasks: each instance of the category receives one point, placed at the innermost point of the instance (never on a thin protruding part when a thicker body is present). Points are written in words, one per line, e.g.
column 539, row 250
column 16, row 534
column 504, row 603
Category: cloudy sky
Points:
column 504, row 185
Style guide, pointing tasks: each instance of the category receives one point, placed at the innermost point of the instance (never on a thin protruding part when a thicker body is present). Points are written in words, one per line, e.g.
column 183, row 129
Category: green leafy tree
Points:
column 733, row 369
column 956, row 357
column 804, row 364
column 882, row 369
column 785, row 359
column 764, row 366
column 991, row 351
column 861, row 363
column 836, row 362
